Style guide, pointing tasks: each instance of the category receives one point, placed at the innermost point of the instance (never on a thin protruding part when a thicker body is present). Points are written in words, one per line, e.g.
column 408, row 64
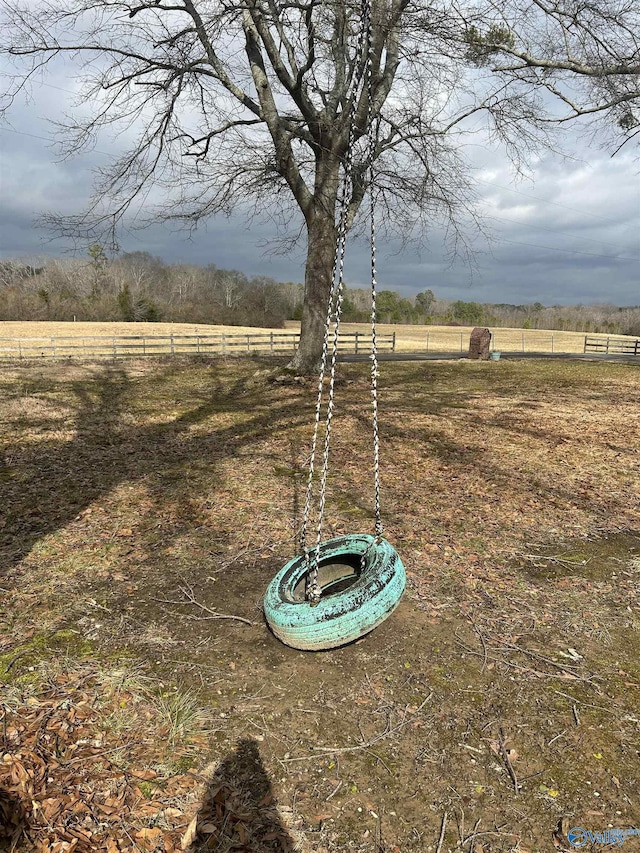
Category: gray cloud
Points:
column 572, row 235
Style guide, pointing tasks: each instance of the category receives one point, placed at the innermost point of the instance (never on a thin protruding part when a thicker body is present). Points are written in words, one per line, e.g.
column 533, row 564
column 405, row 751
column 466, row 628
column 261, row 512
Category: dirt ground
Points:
column 145, row 704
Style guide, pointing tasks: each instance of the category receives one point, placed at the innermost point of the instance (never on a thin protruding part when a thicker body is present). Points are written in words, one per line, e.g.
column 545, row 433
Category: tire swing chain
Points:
column 334, row 311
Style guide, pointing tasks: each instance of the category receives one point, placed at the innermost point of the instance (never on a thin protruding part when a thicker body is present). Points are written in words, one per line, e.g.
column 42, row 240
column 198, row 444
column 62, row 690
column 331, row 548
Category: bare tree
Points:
column 586, row 55
column 250, row 103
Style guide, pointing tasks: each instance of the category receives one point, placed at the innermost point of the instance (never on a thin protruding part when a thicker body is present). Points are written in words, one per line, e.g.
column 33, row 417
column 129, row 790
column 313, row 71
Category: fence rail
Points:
column 530, row 341
column 118, row 346
column 613, row 345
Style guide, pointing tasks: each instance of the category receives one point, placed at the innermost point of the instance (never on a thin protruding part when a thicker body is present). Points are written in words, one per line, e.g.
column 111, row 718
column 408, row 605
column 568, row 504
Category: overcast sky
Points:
column 569, row 235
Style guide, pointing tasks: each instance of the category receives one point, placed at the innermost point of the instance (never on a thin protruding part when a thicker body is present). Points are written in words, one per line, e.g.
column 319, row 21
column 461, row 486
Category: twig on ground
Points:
column 475, row 834
column 96, row 754
column 336, row 750
column 16, row 659
column 443, row 826
column 565, row 670
column 381, row 760
column 557, row 737
column 557, row 558
column 472, row 748
column 586, row 704
column 335, row 791
column 190, row 598
column 243, row 554
column 567, row 667
column 507, row 761
column 380, row 845
column 388, row 731
column 471, row 837
column 484, row 645
column 531, row 776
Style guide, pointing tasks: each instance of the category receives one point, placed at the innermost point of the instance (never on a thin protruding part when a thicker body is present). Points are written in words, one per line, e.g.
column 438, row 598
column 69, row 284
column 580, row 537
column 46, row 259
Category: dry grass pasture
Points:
column 45, row 329
column 146, row 707
column 408, row 338
column 456, row 338
column 40, row 338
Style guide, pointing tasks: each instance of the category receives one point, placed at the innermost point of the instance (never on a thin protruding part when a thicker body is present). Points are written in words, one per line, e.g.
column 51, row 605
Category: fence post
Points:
column 115, row 354
column 198, row 344
column 393, row 342
column 607, row 345
column 224, row 344
column 144, row 345
column 271, row 341
column 172, row 345
column 357, row 343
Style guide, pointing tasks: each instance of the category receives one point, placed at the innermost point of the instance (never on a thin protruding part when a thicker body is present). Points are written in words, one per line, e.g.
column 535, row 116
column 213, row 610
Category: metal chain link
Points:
column 371, row 141
column 334, row 311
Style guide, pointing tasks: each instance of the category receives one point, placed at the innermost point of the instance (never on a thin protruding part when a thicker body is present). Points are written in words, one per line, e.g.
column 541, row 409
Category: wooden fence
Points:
column 119, row 346
column 612, row 345
column 505, row 340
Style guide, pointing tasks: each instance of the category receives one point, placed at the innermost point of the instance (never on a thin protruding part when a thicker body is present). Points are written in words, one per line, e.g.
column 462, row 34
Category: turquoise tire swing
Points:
column 343, row 588
column 343, row 616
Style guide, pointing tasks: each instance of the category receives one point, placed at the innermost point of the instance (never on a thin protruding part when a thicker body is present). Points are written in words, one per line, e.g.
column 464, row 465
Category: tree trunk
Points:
column 321, row 247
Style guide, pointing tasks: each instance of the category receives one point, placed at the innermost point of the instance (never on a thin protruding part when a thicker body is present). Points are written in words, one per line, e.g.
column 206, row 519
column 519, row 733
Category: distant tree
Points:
column 424, row 301
column 351, row 313
column 125, row 303
column 389, row 307
column 45, row 297
column 99, row 263
column 467, row 313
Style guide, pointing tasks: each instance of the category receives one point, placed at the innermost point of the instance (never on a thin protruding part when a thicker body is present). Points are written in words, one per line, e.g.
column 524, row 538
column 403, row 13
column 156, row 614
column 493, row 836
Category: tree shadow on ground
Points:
column 238, row 810
column 47, row 483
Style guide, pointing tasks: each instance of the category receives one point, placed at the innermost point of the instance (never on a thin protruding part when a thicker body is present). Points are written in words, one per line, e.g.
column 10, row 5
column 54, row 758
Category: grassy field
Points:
column 408, row 338
column 38, row 339
column 45, row 329
column 456, row 339
column 146, row 706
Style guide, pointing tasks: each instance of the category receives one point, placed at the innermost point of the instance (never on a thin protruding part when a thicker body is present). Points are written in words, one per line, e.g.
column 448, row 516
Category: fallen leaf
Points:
column 144, row 774
column 154, row 834
column 190, row 835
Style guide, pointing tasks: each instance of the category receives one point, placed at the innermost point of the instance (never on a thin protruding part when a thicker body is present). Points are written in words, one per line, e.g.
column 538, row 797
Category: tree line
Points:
column 136, row 286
